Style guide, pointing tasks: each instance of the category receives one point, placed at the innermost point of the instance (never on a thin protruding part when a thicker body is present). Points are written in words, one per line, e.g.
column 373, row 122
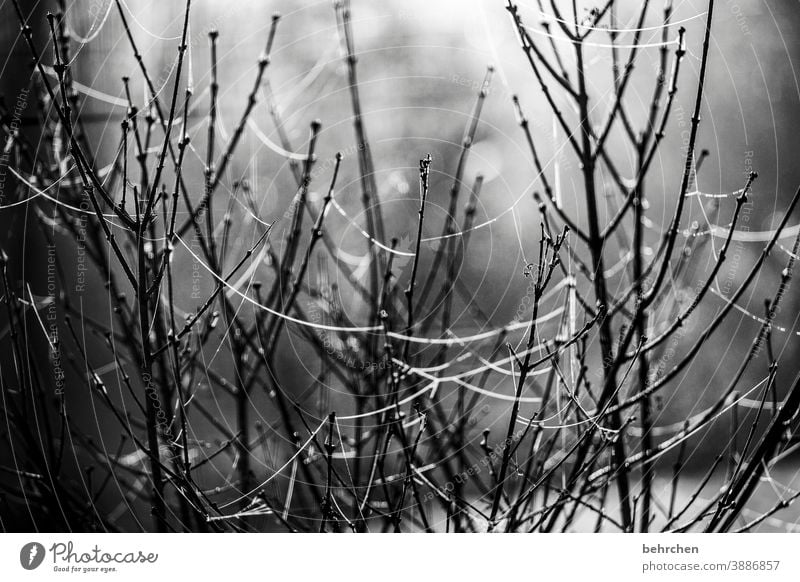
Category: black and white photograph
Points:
column 292, row 267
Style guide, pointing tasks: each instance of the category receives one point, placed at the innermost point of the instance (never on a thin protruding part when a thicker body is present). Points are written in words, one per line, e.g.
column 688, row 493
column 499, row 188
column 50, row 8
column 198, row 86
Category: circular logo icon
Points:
column 31, row 555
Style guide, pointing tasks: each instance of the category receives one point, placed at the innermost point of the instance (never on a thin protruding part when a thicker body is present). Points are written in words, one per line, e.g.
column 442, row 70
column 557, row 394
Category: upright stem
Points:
column 640, row 322
column 424, row 177
column 601, row 293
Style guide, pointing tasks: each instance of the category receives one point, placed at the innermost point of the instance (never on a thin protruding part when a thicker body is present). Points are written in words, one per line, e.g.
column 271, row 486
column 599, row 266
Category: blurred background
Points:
column 421, row 65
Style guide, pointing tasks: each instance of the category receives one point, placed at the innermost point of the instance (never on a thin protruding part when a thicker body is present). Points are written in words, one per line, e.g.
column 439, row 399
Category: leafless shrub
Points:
column 403, row 456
